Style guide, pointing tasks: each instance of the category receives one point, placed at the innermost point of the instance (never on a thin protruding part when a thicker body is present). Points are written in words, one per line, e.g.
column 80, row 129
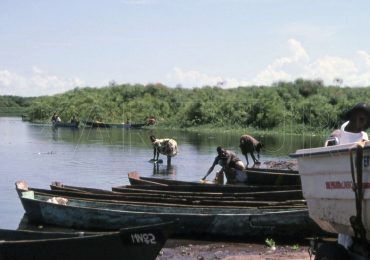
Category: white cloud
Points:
column 297, row 64
column 39, row 83
column 193, row 78
column 365, row 57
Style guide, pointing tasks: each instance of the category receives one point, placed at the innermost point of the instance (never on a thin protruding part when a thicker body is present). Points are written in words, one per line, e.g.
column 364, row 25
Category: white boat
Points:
column 327, row 183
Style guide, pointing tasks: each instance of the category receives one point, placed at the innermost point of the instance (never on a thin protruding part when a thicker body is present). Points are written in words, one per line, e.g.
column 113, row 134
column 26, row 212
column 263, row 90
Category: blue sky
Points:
column 49, row 47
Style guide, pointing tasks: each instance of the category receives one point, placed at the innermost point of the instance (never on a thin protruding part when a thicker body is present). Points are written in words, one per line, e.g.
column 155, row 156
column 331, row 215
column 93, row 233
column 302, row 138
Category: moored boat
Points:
column 140, row 243
column 270, row 200
column 328, row 182
column 234, row 222
column 277, row 195
column 255, row 177
column 336, row 182
column 97, row 124
column 210, row 188
column 66, row 124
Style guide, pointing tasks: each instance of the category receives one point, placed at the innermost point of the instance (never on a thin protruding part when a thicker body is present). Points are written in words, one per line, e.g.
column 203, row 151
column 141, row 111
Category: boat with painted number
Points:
column 137, row 243
column 336, row 185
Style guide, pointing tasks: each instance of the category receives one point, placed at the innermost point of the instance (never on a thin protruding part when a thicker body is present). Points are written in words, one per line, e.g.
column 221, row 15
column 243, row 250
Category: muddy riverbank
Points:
column 184, row 249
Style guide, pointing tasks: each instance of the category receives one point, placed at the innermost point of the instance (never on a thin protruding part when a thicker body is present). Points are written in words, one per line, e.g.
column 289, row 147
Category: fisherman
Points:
column 232, row 167
column 54, row 117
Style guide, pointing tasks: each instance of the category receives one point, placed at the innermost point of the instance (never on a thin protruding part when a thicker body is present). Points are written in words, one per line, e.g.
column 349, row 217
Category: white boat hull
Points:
column 327, row 186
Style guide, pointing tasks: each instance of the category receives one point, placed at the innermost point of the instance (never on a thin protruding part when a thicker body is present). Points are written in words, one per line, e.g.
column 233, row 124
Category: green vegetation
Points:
column 271, row 243
column 298, row 107
column 14, row 105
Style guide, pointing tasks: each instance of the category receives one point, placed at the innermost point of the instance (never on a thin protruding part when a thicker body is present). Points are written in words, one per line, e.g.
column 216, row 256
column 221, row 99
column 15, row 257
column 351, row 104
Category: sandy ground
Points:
column 183, row 249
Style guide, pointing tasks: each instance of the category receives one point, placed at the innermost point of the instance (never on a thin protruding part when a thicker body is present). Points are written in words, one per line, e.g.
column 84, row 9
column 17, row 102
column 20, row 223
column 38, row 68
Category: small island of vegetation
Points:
column 299, row 106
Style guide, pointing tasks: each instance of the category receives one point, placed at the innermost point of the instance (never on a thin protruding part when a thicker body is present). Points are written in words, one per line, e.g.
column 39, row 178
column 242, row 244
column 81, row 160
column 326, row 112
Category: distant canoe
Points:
column 95, row 124
column 138, row 243
column 66, row 125
column 230, row 222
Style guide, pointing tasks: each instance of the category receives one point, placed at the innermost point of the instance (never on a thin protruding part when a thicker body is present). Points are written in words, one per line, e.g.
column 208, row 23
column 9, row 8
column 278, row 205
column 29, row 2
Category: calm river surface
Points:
column 102, row 157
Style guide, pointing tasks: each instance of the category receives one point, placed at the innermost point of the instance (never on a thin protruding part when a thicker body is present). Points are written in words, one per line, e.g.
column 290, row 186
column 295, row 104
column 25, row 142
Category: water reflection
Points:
column 160, row 169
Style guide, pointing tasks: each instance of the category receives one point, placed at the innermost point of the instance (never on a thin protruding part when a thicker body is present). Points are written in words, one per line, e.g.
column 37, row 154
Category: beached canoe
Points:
column 254, row 178
column 174, row 202
column 191, row 189
column 140, row 243
column 235, row 222
column 277, row 195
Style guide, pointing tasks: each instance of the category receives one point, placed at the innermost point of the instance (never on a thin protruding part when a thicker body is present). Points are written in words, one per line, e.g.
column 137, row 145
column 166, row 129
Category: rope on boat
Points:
column 357, row 187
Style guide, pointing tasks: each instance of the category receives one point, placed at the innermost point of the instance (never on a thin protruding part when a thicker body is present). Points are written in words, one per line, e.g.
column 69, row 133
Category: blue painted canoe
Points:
column 216, row 221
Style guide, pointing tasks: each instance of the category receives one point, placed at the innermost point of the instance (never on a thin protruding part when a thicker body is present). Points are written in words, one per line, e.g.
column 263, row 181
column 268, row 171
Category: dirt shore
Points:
column 183, row 249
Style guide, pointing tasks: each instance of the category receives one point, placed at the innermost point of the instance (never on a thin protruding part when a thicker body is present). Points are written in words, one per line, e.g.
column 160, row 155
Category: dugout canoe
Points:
column 65, row 124
column 236, row 222
column 191, row 189
column 174, row 202
column 277, row 195
column 138, row 243
column 254, row 178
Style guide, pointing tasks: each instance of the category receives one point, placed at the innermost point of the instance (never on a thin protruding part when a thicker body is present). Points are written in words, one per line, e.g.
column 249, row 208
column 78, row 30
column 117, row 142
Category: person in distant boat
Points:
column 165, row 146
column 74, row 120
column 54, row 118
column 151, row 120
column 353, row 130
column 232, row 167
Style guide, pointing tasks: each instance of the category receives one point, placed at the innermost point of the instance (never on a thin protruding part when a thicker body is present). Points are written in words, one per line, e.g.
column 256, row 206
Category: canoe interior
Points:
column 254, row 178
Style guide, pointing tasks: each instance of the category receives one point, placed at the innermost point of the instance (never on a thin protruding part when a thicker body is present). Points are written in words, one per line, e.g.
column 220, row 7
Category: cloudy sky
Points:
column 48, row 47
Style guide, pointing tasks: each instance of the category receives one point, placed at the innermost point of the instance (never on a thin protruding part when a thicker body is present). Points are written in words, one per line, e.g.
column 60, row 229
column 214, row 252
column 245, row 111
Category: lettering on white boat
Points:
column 143, row 238
column 332, row 185
column 366, row 161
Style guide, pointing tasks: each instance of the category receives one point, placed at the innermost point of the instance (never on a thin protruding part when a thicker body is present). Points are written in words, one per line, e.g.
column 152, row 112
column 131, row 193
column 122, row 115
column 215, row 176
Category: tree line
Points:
column 302, row 105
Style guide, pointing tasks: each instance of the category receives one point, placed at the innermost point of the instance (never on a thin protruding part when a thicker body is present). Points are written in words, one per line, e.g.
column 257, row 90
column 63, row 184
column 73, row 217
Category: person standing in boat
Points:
column 232, row 167
column 54, row 117
column 353, row 130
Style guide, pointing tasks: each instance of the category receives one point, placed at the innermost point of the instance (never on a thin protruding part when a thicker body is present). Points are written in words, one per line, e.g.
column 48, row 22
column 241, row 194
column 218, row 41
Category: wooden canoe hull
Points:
column 254, row 178
column 164, row 197
column 178, row 202
column 190, row 189
column 211, row 221
column 66, row 125
column 123, row 244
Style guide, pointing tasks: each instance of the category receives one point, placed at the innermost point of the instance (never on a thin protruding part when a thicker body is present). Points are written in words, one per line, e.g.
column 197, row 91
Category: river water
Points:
column 102, row 158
